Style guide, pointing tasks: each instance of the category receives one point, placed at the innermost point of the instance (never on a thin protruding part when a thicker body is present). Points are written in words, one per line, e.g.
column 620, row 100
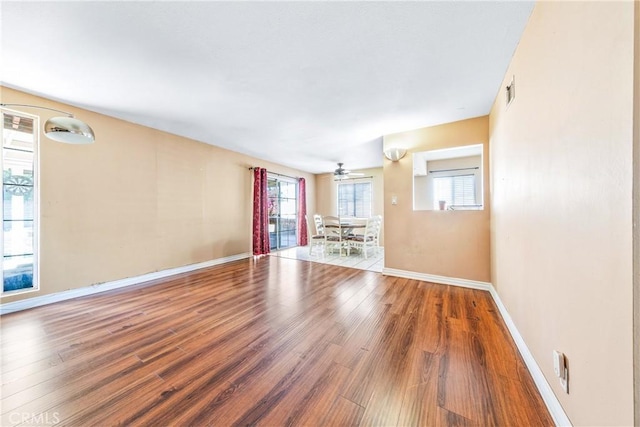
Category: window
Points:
column 19, row 202
column 354, row 199
column 459, row 190
column 448, row 179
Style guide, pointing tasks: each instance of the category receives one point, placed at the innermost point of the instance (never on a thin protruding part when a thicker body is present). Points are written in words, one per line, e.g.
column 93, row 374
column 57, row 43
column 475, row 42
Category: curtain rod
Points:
column 275, row 173
column 351, row 179
column 453, row 170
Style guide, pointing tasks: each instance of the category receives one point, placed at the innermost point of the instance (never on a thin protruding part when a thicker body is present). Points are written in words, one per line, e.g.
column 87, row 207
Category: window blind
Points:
column 354, row 199
column 459, row 190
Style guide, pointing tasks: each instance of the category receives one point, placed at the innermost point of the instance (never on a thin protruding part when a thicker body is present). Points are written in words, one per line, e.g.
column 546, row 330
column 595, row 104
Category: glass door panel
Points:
column 282, row 207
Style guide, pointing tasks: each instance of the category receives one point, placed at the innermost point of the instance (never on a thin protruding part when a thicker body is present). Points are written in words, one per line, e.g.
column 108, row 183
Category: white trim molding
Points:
column 551, row 401
column 443, row 280
column 107, row 286
column 549, row 397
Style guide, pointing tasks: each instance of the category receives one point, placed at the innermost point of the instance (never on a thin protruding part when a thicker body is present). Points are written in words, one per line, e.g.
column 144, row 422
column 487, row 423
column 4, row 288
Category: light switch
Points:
column 394, row 200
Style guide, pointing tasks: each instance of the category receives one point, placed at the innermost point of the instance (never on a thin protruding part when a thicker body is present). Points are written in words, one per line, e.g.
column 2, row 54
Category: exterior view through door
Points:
column 19, row 233
column 283, row 211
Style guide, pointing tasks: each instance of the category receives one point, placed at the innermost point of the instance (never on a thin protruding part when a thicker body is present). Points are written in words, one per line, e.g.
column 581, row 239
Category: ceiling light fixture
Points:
column 63, row 129
column 395, row 154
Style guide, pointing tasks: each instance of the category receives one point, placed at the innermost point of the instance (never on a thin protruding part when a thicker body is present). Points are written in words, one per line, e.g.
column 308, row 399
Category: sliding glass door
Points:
column 19, row 202
column 282, row 206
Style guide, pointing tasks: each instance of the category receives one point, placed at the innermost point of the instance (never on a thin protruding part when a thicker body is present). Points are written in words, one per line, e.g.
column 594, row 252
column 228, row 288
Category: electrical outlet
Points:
column 564, row 382
column 561, row 370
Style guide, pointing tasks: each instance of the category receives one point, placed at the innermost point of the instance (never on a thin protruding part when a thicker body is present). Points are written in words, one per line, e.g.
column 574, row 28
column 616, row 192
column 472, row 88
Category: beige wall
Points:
column 636, row 214
column 561, row 174
column 137, row 201
column 445, row 243
column 327, row 193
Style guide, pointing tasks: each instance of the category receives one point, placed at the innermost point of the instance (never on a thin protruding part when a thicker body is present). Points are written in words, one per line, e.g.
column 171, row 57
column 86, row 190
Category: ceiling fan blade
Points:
column 341, row 172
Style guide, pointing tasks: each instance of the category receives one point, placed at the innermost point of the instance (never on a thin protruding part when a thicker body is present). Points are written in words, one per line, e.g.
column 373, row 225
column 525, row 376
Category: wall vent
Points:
column 510, row 91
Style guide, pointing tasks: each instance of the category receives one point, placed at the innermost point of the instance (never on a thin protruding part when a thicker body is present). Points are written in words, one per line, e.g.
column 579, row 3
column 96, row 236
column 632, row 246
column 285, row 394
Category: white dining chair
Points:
column 315, row 239
column 334, row 238
column 317, row 220
column 368, row 240
column 378, row 219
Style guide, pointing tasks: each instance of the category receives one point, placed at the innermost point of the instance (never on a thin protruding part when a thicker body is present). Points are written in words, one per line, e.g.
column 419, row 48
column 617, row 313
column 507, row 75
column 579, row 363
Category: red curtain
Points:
column 302, row 213
column 260, row 214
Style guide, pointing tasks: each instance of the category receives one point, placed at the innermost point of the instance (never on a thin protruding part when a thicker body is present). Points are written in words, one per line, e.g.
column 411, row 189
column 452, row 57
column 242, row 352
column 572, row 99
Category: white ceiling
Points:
column 304, row 84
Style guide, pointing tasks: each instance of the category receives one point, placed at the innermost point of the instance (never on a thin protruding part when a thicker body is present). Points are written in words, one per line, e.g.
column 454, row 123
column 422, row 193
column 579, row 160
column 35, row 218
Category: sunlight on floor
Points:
column 374, row 262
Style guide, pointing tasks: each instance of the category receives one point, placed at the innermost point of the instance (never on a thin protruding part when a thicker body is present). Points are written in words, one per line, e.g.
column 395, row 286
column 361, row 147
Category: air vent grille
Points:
column 510, row 91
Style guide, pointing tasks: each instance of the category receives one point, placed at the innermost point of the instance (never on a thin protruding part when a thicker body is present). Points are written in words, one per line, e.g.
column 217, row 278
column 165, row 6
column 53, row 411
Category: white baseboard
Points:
column 107, row 286
column 549, row 397
column 551, row 401
column 465, row 283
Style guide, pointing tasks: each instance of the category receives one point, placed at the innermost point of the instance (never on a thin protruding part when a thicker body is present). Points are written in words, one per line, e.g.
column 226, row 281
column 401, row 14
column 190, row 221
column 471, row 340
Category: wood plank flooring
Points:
column 274, row 342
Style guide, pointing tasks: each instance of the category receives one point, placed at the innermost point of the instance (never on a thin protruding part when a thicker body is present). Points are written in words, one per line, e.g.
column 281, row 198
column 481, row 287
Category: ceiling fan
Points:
column 342, row 173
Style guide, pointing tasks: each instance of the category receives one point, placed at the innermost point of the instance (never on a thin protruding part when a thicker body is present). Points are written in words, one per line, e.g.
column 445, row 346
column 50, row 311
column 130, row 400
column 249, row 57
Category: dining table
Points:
column 346, row 229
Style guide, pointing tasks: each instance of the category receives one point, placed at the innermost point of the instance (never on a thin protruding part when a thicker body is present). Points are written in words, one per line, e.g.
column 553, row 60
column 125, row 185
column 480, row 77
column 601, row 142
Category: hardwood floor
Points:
column 274, row 342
